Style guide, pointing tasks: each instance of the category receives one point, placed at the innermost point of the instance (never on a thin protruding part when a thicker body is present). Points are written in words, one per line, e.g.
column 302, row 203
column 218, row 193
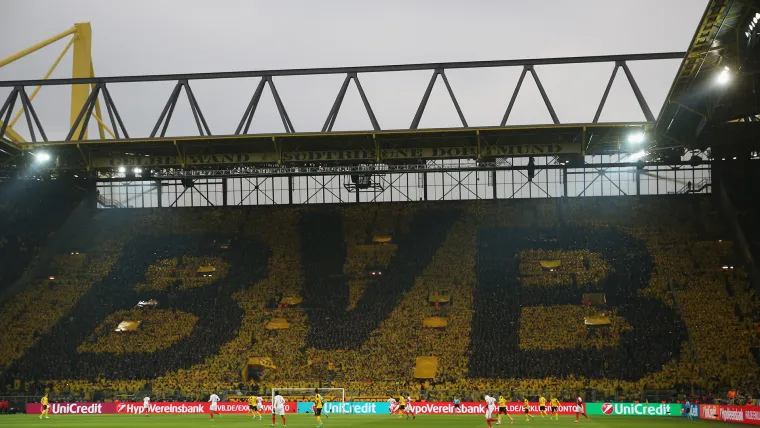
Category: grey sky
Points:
column 151, row 37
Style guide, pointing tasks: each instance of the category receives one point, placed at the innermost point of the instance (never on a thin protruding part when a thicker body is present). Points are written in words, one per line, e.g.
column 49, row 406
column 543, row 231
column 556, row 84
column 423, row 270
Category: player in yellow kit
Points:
column 542, row 406
column 318, row 400
column 401, row 406
column 45, row 407
column 526, row 408
column 503, row 411
column 252, row 408
column 555, row 408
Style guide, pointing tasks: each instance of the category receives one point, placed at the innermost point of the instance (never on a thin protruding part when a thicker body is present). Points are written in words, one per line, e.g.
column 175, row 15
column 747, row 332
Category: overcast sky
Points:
column 152, row 37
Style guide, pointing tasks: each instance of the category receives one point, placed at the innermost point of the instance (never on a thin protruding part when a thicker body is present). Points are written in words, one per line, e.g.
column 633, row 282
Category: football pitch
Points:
column 336, row 421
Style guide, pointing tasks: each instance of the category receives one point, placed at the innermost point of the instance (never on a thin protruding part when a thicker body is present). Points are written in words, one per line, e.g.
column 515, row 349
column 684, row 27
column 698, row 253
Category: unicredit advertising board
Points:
column 349, row 408
column 633, row 409
column 154, row 408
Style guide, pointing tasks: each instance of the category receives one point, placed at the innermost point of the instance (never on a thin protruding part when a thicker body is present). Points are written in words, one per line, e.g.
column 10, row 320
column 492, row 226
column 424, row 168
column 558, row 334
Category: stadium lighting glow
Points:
column 724, row 76
column 122, row 169
column 137, row 170
column 638, row 156
column 746, row 33
column 636, row 138
column 41, row 157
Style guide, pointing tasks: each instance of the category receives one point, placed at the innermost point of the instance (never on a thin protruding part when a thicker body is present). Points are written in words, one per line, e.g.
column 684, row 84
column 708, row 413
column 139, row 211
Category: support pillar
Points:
column 424, row 185
column 493, row 183
column 290, row 190
column 224, row 191
column 564, row 182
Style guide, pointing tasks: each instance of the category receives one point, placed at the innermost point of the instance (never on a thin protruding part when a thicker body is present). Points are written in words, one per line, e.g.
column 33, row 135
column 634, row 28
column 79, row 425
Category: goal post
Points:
column 330, row 395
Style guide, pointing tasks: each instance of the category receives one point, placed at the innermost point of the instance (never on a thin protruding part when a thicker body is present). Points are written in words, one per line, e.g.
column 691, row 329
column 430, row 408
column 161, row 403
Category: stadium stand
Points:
column 350, row 289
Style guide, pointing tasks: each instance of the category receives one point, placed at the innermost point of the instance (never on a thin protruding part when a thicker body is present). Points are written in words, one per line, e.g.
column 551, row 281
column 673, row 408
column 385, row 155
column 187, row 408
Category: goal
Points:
column 335, row 398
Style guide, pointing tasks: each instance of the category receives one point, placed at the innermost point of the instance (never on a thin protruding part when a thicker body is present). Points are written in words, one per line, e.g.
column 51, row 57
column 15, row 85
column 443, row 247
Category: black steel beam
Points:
column 454, row 100
column 637, row 92
column 169, row 105
column 606, row 93
column 365, row 101
column 7, row 110
column 425, row 97
column 591, row 167
column 251, row 109
column 112, row 106
column 544, row 96
column 343, row 70
column 567, row 128
column 29, row 111
column 333, row 115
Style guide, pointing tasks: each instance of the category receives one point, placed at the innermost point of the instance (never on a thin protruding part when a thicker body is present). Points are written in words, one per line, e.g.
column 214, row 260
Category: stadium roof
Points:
column 697, row 113
column 713, row 99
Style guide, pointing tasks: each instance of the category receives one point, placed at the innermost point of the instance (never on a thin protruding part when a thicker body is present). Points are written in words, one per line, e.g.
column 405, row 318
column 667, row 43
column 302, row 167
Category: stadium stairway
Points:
column 744, row 247
column 416, row 247
column 322, row 254
column 71, row 232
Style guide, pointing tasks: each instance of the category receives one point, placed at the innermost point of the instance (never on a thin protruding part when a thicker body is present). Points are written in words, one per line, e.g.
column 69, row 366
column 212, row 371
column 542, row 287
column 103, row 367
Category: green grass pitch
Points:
column 336, row 421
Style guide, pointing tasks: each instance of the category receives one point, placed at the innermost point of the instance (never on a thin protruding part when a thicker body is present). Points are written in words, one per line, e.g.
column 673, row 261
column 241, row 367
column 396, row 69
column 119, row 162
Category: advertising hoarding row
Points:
column 737, row 414
column 423, row 408
column 356, row 408
column 154, row 408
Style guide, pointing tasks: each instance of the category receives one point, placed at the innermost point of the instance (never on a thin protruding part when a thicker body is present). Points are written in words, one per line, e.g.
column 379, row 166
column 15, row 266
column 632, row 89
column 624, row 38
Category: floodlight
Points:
column 724, row 76
column 137, row 170
column 122, row 169
column 636, row 138
column 41, row 157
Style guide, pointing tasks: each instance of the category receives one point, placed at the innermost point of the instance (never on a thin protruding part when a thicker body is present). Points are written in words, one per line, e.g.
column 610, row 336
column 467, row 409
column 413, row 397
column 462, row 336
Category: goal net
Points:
column 334, row 398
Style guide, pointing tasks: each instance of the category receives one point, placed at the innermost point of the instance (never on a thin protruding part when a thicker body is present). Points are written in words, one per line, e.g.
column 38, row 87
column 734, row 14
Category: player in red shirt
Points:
column 579, row 409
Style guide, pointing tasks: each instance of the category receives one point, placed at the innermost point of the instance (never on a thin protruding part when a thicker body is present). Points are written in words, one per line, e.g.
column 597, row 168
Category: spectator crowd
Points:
column 677, row 317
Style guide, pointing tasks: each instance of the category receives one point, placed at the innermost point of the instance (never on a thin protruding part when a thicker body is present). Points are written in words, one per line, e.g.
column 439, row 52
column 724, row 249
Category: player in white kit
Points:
column 259, row 405
column 392, row 405
column 278, row 409
column 409, row 409
column 579, row 410
column 490, row 407
column 212, row 410
column 146, row 405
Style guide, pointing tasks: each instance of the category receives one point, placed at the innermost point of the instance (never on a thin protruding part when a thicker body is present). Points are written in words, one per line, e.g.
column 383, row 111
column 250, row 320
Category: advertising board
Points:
column 353, row 408
column 708, row 411
column 633, row 409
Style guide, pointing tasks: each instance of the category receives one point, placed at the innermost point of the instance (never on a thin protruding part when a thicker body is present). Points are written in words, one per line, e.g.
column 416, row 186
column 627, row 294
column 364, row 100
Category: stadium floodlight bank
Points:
column 330, row 395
